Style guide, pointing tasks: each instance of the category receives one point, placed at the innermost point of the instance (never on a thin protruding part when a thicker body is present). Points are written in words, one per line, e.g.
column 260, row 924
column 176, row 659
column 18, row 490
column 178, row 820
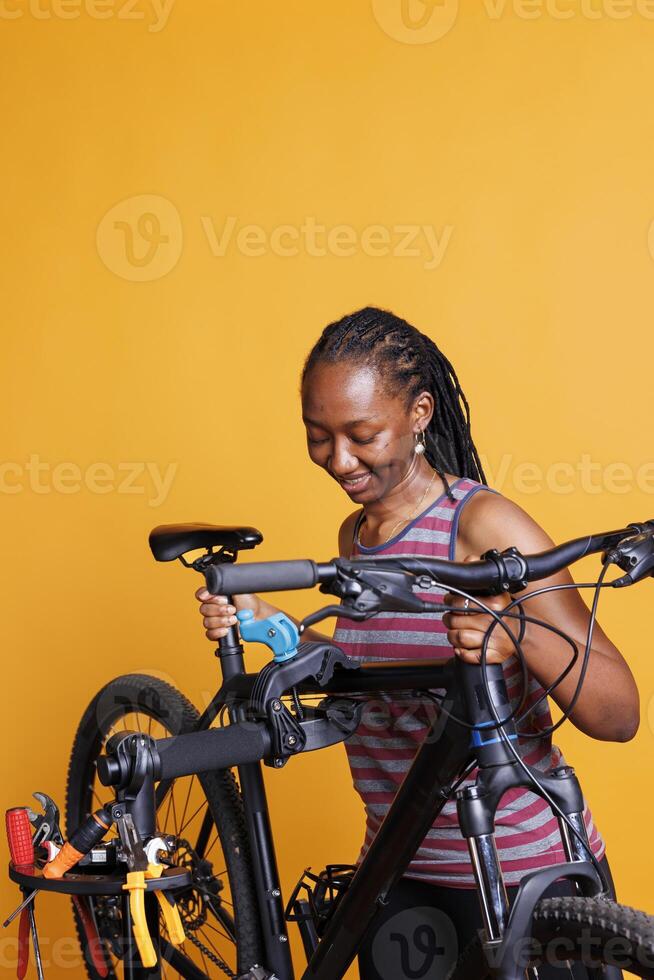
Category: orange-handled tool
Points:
column 87, row 835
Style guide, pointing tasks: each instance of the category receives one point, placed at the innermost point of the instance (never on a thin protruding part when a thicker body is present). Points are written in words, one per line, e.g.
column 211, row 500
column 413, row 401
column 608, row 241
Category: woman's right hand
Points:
column 218, row 615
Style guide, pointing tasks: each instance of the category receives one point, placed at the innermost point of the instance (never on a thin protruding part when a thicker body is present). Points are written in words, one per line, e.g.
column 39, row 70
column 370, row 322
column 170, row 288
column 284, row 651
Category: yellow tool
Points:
column 136, row 887
column 139, row 871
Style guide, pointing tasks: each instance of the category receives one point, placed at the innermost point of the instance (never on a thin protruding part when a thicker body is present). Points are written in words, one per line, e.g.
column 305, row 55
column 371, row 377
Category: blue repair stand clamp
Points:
column 277, row 632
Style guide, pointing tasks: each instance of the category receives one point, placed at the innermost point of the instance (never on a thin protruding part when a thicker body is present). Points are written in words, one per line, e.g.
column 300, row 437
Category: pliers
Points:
column 47, row 833
column 140, row 869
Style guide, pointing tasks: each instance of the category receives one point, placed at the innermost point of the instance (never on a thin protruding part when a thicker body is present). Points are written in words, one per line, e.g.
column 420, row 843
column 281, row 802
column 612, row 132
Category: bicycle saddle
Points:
column 169, row 541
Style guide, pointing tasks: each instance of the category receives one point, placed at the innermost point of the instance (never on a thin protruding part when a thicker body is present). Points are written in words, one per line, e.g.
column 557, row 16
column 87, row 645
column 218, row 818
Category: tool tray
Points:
column 95, row 884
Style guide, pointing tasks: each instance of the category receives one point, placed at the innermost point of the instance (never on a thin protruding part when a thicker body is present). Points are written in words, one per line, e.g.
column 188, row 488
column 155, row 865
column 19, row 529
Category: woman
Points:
column 387, row 419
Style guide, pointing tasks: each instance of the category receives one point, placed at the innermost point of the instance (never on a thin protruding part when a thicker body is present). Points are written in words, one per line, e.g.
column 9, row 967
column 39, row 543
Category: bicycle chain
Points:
column 212, row 956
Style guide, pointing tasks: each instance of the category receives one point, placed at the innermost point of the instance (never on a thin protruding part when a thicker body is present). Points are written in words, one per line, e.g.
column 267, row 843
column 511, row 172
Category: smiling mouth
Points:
column 354, row 483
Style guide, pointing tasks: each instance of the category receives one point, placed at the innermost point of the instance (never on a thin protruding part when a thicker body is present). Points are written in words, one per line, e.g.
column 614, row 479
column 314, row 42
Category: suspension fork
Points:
column 571, row 802
column 475, row 806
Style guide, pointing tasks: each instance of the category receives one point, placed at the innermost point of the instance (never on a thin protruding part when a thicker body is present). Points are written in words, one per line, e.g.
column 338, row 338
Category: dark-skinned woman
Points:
column 387, row 420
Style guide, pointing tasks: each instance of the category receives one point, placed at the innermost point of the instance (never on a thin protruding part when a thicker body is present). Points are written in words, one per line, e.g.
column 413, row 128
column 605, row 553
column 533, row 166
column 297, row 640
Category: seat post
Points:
column 230, row 651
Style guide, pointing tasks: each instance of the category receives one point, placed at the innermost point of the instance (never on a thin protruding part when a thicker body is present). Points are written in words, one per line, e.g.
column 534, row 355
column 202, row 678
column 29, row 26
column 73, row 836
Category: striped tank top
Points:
column 394, row 724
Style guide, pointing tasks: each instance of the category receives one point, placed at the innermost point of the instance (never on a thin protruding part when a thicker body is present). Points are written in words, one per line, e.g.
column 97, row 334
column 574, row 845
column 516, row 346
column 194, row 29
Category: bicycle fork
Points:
column 499, row 772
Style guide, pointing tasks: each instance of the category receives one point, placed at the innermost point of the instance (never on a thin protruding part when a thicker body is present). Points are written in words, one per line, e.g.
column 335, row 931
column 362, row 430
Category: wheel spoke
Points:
column 222, row 935
column 195, row 812
column 172, row 796
column 224, row 917
column 188, row 795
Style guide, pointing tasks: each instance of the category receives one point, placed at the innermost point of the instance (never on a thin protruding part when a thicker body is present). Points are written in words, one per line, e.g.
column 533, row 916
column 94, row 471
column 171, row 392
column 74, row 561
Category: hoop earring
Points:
column 420, row 444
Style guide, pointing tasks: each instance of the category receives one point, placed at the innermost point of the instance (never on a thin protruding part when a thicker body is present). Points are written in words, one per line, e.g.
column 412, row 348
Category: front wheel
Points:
column 572, row 931
column 204, row 813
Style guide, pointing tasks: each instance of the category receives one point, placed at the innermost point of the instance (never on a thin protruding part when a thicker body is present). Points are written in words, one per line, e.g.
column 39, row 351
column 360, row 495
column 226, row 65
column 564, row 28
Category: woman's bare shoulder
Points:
column 346, row 534
column 490, row 520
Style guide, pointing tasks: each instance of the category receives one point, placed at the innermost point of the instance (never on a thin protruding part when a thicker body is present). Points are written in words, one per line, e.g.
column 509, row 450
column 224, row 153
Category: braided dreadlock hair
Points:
column 407, row 362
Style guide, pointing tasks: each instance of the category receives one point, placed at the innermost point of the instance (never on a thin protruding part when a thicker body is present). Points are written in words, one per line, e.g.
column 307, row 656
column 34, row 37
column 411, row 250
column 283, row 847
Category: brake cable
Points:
column 507, row 741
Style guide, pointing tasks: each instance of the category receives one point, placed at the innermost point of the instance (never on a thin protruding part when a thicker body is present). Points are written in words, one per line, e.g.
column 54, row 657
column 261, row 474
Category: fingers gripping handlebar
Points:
column 507, row 571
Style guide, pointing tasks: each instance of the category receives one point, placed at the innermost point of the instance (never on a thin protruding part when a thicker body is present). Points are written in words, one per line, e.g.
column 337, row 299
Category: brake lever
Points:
column 634, row 555
column 367, row 590
column 343, row 610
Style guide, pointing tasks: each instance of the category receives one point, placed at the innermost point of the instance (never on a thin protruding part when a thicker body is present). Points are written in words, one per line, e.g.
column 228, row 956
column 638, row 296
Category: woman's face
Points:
column 363, row 437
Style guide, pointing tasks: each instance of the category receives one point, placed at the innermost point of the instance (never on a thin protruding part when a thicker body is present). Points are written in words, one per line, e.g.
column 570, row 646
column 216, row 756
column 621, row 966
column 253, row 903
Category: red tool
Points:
column 21, row 849
column 19, row 835
column 94, row 944
column 23, row 945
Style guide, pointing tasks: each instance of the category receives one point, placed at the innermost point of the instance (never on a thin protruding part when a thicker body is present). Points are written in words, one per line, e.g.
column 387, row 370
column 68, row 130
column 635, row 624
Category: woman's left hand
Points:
column 466, row 631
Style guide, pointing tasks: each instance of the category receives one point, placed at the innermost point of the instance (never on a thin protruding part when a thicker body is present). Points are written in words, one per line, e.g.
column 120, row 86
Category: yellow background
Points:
column 525, row 131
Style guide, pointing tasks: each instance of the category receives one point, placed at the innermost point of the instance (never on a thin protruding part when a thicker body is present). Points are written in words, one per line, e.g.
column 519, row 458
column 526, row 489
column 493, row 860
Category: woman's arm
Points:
column 608, row 705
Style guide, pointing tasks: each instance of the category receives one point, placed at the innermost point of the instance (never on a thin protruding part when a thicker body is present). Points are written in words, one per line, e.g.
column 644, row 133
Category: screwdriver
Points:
column 21, row 849
column 19, row 835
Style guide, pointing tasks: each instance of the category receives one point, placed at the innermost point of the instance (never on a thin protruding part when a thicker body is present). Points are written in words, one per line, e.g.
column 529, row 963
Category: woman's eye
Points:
column 359, row 442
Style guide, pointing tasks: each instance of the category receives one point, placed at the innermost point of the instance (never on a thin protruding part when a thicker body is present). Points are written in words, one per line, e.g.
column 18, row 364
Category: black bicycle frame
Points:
column 448, row 749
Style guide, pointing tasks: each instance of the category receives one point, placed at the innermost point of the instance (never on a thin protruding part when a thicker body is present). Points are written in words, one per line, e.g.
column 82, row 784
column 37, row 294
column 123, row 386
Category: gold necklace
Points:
column 403, row 520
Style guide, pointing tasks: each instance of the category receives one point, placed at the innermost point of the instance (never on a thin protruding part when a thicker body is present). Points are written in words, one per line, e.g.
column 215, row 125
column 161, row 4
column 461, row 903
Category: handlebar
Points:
column 631, row 548
column 265, row 576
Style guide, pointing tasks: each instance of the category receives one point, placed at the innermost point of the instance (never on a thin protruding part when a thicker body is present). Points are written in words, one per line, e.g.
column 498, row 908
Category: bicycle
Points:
column 233, row 916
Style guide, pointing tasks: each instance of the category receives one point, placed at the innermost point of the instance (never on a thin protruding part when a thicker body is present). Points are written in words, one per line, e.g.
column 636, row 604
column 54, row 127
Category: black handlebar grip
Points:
column 215, row 748
column 269, row 576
